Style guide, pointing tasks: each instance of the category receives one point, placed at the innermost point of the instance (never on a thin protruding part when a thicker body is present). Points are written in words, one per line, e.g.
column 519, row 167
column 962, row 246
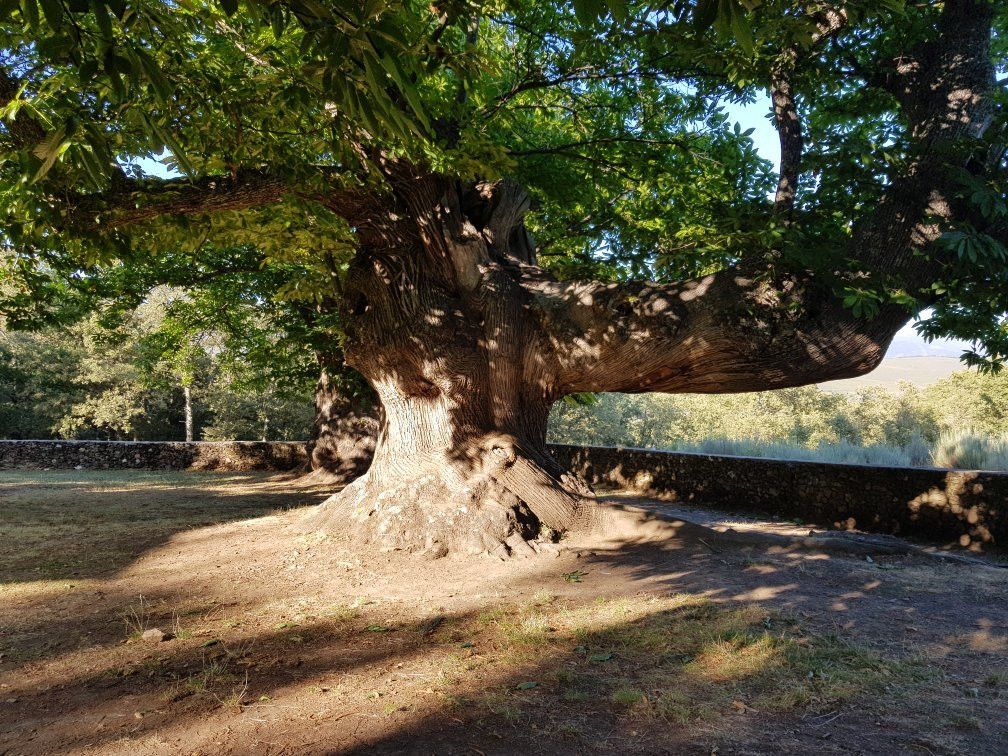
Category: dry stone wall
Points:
column 153, row 455
column 967, row 507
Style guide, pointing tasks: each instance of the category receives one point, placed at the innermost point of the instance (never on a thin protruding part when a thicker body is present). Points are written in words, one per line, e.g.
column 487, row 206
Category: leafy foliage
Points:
column 121, row 374
column 960, row 421
column 615, row 115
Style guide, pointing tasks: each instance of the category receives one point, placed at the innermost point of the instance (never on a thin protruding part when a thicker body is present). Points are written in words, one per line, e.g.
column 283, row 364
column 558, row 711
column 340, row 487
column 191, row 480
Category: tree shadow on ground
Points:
column 285, row 644
column 85, row 524
column 537, row 676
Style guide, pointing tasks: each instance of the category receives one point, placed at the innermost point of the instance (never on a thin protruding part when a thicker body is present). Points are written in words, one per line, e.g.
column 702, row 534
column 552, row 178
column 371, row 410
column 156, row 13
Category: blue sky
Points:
column 753, row 116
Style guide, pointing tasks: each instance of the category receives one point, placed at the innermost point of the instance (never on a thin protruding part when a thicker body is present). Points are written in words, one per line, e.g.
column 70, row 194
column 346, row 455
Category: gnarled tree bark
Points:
column 448, row 337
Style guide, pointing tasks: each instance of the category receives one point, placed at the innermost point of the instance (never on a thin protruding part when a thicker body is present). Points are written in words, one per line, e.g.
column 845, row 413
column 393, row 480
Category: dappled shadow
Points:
column 643, row 674
column 288, row 644
column 961, row 508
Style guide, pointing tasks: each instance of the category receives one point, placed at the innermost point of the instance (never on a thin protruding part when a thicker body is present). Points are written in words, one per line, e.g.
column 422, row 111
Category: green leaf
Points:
column 278, row 20
column 618, row 9
column 167, row 139
column 48, row 151
column 599, row 657
column 705, row 13
column 104, row 21
column 588, row 11
column 527, row 685
column 740, row 28
column 92, row 165
column 159, row 83
column 30, row 11
column 391, row 64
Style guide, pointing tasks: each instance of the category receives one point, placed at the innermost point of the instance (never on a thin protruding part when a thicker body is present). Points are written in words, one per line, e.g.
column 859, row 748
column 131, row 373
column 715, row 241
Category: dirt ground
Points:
column 277, row 642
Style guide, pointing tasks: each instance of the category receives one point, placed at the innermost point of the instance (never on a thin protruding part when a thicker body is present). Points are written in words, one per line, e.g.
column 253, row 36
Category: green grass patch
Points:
column 685, row 659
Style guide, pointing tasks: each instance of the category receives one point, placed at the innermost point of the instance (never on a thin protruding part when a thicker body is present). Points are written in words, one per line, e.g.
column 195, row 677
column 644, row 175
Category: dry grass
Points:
column 115, row 515
column 681, row 658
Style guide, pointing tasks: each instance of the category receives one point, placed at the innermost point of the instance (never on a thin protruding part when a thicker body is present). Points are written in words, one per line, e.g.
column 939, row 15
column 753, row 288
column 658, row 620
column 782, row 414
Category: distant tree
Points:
column 969, row 401
column 33, row 396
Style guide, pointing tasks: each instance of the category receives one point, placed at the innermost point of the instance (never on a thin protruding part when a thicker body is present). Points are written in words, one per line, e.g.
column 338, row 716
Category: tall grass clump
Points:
column 970, row 450
column 841, row 452
column 918, row 451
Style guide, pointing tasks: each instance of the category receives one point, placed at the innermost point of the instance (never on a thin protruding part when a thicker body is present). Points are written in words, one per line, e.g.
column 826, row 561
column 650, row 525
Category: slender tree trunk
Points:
column 187, row 393
column 264, row 410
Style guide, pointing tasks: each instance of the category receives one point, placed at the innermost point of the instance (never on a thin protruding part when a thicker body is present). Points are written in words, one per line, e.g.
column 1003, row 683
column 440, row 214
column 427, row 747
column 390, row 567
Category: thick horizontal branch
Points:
column 564, row 149
column 724, row 333
column 141, row 200
column 742, row 330
column 133, row 202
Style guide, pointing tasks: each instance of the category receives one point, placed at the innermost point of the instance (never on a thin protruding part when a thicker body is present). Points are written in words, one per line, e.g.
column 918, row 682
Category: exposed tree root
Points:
column 503, row 513
column 498, row 498
column 323, row 477
column 429, row 515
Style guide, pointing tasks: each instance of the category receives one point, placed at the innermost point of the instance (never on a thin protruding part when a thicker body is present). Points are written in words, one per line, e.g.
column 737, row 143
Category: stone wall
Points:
column 153, row 455
column 963, row 506
column 968, row 507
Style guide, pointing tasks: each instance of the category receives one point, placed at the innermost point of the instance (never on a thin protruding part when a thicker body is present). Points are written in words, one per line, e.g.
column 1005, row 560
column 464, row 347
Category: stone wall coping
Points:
column 778, row 460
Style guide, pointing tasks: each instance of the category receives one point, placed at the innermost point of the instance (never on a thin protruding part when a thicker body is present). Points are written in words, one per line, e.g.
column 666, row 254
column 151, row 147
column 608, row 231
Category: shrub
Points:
column 970, row 450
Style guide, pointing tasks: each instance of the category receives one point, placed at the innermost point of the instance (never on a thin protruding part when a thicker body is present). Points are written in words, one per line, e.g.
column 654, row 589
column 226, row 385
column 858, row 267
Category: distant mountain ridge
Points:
column 920, row 371
column 912, row 345
column 909, row 359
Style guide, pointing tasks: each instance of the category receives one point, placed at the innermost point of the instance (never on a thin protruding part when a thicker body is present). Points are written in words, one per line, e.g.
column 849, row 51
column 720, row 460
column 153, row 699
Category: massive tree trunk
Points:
column 452, row 343
column 346, row 426
column 468, row 343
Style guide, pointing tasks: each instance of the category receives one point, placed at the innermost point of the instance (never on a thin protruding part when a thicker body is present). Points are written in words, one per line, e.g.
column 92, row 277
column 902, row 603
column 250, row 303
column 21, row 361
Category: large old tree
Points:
column 409, row 150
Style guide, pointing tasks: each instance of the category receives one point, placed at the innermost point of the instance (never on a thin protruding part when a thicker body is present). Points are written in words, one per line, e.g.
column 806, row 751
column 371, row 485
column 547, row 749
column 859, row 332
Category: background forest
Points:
column 127, row 375
column 124, row 374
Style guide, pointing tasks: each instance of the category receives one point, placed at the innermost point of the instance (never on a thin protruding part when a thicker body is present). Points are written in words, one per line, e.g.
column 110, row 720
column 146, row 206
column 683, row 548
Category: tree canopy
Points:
column 612, row 116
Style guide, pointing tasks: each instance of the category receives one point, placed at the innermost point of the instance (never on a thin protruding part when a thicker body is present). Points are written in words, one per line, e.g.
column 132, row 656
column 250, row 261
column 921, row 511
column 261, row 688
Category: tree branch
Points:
column 724, row 333
column 562, row 149
column 828, row 22
column 132, row 202
column 740, row 330
column 141, row 200
column 789, row 132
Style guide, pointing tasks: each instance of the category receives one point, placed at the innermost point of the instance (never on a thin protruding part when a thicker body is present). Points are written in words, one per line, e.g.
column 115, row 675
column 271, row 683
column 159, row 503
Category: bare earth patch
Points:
column 280, row 642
